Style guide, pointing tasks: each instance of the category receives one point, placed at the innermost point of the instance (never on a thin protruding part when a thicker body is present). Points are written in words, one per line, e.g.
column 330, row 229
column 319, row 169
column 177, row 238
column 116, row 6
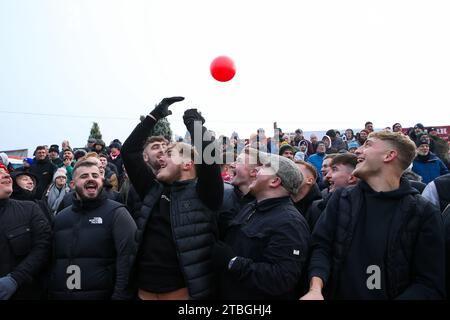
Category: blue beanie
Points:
column 29, row 160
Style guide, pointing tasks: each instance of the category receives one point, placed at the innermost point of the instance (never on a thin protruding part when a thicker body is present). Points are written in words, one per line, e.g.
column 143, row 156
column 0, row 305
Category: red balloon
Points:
column 223, row 69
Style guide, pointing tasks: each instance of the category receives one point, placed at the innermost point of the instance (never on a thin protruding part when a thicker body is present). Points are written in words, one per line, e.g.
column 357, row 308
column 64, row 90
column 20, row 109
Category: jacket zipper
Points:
column 250, row 215
column 176, row 244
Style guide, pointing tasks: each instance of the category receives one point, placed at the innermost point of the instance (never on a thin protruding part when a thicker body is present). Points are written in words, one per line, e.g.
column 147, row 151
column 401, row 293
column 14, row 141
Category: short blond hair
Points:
column 88, row 155
column 403, row 144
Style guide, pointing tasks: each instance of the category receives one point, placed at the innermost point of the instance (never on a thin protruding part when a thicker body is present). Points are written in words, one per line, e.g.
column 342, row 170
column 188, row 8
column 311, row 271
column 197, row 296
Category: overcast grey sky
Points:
column 308, row 64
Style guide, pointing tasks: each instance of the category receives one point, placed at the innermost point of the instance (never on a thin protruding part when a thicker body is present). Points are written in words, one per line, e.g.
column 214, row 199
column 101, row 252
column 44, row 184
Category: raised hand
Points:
column 192, row 115
column 162, row 109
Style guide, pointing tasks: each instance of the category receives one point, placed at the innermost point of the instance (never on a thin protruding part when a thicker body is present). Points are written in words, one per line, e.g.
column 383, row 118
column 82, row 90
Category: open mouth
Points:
column 162, row 163
column 91, row 187
column 331, row 187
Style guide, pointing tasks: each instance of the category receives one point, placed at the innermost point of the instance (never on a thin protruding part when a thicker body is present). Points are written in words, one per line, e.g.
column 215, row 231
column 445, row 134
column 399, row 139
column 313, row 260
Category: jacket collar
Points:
column 241, row 195
column 269, row 204
column 79, row 204
column 179, row 184
column 430, row 157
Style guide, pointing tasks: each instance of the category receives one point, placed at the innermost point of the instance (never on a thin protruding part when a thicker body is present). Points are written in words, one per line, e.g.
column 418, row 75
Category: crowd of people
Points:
column 351, row 216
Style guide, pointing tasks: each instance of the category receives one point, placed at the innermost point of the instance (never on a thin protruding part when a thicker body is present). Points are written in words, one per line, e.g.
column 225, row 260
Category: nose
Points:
column 358, row 151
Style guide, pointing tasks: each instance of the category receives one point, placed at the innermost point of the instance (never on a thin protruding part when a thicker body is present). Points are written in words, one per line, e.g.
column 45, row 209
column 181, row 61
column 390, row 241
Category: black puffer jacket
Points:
column 415, row 260
column 193, row 205
column 68, row 198
column 24, row 246
column 98, row 236
column 194, row 228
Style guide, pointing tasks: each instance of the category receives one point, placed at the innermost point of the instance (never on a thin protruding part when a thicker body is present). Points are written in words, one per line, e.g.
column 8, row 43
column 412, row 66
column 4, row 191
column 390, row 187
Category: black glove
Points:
column 162, row 109
column 221, row 255
column 192, row 115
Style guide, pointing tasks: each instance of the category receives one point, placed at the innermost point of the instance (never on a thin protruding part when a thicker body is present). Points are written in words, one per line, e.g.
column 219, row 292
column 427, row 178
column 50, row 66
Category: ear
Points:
column 145, row 156
column 187, row 166
column 390, row 156
column 275, row 182
column 352, row 180
column 72, row 184
column 252, row 172
column 310, row 180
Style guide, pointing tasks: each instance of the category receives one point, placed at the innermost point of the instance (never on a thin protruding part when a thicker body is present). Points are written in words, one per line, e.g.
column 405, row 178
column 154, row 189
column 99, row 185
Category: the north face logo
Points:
column 96, row 220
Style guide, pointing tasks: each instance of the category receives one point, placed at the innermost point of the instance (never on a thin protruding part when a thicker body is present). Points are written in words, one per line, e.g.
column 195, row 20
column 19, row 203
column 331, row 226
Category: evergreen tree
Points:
column 95, row 131
column 162, row 128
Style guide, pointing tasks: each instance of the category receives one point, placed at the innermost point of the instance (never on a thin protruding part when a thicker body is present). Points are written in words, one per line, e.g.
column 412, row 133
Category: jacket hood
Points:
column 18, row 192
column 22, row 194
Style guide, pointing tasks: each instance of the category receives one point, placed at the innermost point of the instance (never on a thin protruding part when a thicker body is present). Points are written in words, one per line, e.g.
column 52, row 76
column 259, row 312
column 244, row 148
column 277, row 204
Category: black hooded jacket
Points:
column 43, row 170
column 400, row 232
column 26, row 195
